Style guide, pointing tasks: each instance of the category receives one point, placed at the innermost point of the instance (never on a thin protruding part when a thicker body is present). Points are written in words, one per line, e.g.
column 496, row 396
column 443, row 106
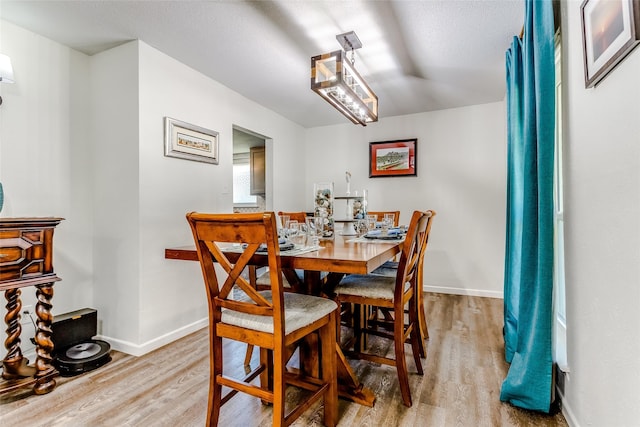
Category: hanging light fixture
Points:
column 334, row 77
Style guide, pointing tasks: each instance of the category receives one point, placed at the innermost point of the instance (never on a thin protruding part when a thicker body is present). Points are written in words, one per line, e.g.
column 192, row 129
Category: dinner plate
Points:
column 387, row 237
column 283, row 247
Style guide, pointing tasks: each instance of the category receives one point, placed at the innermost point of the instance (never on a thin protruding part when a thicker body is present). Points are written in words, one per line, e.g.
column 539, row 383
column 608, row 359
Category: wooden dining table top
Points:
column 339, row 255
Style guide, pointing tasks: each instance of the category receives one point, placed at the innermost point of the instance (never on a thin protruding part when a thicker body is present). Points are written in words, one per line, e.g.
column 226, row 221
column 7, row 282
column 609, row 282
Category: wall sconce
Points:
column 6, row 71
column 334, row 78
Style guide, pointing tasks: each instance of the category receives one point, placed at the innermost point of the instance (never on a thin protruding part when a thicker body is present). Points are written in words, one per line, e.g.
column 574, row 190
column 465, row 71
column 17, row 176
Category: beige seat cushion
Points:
column 368, row 286
column 264, row 280
column 299, row 311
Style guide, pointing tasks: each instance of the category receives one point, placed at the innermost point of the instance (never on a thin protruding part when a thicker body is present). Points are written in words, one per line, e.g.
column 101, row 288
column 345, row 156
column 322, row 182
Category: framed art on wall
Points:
column 190, row 142
column 610, row 30
column 393, row 158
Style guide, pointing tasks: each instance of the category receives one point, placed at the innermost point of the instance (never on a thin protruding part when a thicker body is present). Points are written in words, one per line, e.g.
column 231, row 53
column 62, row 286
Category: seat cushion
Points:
column 368, row 286
column 264, row 279
column 389, row 268
column 299, row 311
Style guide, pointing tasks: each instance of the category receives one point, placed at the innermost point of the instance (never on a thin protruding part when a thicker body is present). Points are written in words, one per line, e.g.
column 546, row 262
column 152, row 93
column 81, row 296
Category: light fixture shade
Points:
column 335, row 79
column 6, row 70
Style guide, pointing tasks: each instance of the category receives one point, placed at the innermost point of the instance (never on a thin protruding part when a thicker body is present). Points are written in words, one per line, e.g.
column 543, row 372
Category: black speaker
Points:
column 74, row 327
column 74, row 349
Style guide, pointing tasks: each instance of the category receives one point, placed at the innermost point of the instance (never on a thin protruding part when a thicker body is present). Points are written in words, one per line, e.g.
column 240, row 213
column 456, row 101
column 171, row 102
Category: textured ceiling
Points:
column 417, row 55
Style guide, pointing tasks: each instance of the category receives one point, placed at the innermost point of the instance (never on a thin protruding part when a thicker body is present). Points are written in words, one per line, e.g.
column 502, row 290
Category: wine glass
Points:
column 284, row 225
column 314, row 228
column 292, row 229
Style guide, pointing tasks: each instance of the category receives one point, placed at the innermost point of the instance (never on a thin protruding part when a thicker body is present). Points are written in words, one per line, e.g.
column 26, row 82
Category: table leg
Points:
column 348, row 385
column 45, row 372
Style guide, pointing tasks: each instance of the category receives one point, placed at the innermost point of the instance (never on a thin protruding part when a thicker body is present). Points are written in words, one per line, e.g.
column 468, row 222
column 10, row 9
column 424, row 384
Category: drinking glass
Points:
column 314, row 228
column 296, row 235
column 390, row 219
column 387, row 222
column 292, row 229
column 371, row 221
column 284, row 225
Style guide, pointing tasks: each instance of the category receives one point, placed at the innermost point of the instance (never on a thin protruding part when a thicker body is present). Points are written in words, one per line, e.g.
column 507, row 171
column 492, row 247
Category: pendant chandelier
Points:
column 334, row 77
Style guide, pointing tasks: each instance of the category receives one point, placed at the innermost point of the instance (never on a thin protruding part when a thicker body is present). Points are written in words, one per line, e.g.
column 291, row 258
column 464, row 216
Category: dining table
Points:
column 323, row 267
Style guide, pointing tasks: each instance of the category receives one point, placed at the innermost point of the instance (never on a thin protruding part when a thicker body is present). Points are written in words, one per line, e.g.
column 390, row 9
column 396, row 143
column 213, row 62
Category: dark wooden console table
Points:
column 26, row 259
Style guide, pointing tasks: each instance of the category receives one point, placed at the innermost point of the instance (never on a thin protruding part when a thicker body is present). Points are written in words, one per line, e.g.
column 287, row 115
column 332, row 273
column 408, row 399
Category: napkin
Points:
column 390, row 232
column 284, row 246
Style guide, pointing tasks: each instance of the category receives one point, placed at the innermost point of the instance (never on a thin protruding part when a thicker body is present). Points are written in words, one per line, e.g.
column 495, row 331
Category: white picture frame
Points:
column 190, row 142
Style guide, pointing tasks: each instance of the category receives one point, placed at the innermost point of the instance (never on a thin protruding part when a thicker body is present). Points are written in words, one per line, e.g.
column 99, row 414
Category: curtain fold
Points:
column 528, row 286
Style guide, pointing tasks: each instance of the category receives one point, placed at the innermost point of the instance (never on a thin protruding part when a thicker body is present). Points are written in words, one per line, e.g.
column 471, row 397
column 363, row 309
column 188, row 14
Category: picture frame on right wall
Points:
column 610, row 31
column 393, row 158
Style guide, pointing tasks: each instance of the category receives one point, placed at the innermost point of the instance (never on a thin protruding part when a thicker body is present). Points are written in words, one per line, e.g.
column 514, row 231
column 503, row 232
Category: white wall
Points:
column 82, row 138
column 45, row 157
column 460, row 174
column 167, row 297
column 602, row 241
column 114, row 136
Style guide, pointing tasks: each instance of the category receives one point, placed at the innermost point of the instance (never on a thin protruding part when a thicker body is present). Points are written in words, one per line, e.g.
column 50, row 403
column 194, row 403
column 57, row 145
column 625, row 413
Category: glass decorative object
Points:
column 323, row 207
column 359, row 206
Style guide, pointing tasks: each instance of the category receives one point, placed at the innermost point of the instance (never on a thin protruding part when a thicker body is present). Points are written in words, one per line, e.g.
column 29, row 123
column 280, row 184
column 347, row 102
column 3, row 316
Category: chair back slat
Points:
column 298, row 216
column 234, row 272
column 210, row 231
column 412, row 249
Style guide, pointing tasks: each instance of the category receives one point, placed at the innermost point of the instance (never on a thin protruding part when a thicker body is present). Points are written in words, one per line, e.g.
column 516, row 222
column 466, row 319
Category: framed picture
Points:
column 610, row 30
column 190, row 142
column 393, row 158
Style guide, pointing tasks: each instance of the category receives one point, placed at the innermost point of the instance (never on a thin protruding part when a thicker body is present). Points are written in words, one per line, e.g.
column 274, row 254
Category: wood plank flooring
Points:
column 464, row 370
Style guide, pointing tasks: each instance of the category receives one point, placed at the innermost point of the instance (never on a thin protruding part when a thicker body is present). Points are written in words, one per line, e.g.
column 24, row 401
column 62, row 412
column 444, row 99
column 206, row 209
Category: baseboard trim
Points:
column 566, row 411
column 461, row 291
column 144, row 348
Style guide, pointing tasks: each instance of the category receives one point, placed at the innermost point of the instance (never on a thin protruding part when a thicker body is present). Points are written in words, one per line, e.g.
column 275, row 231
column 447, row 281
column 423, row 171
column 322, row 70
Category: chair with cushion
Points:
column 272, row 320
column 390, row 268
column 393, row 293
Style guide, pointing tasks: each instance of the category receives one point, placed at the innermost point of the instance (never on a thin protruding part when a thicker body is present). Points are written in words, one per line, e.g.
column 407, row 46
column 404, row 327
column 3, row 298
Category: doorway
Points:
column 250, row 171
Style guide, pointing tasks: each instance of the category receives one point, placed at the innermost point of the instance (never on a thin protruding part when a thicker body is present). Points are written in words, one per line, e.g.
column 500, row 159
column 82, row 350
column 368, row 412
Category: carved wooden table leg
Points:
column 14, row 364
column 45, row 372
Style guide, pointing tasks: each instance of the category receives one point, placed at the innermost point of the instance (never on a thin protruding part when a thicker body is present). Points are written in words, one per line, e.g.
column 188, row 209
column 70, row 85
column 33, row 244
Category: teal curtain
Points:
column 528, row 281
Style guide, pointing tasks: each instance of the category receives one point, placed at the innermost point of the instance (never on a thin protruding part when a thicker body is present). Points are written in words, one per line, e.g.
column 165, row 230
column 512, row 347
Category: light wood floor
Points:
column 168, row 387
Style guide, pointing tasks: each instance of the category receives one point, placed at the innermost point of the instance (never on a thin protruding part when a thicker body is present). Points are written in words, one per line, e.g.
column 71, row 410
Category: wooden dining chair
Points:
column 390, row 268
column 272, row 320
column 393, row 293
